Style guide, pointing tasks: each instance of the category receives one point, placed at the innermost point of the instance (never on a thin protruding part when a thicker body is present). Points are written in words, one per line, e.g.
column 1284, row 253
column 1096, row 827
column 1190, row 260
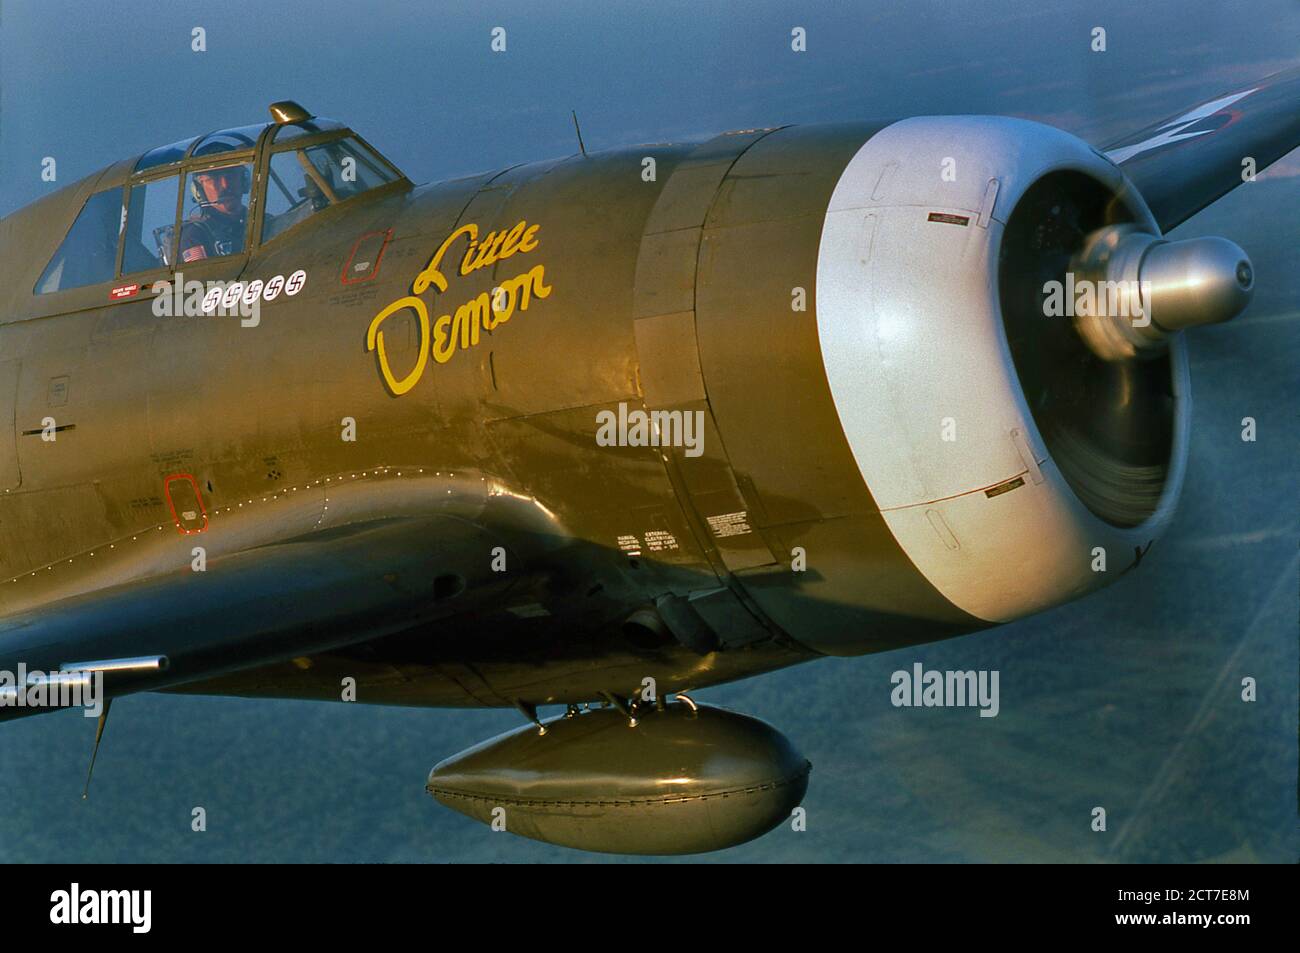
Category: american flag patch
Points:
column 194, row 254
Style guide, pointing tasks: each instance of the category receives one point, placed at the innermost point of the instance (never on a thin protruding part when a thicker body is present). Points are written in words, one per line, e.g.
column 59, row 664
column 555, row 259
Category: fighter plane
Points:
column 595, row 431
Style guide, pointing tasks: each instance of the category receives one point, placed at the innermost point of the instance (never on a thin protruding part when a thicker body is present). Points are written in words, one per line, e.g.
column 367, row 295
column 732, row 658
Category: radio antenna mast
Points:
column 578, row 130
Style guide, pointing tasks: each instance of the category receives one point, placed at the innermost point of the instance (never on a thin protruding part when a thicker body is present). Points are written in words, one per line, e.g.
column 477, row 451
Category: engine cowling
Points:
column 1050, row 455
column 1013, row 462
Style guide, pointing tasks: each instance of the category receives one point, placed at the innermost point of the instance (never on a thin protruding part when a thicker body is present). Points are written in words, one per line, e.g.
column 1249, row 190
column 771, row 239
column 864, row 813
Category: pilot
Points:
column 216, row 227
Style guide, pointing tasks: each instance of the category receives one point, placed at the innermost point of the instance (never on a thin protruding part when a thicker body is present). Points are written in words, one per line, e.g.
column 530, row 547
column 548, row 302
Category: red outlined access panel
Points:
column 363, row 263
column 186, row 502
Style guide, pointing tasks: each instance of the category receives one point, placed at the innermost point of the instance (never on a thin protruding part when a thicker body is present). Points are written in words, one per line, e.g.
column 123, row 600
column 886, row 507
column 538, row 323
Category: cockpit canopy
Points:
column 217, row 195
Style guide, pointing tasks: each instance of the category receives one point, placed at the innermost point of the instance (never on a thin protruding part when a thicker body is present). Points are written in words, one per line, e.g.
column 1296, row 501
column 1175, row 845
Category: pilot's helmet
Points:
column 232, row 179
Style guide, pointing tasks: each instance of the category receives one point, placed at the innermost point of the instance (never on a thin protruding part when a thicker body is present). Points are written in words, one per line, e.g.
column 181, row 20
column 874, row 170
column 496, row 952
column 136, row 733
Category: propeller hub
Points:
column 1136, row 289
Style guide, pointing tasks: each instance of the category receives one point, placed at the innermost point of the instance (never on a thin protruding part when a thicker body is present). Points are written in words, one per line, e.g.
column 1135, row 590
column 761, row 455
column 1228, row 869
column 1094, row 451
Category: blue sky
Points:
column 91, row 83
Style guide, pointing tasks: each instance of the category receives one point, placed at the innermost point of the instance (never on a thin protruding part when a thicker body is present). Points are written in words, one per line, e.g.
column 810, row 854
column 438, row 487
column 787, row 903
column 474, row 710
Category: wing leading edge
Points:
column 1187, row 161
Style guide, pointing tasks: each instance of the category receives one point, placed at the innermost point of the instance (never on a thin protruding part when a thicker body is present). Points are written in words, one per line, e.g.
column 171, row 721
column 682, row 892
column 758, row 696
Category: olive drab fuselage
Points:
column 470, row 333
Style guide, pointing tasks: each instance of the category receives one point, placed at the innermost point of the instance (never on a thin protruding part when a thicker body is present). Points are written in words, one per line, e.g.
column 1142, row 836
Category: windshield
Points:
column 304, row 181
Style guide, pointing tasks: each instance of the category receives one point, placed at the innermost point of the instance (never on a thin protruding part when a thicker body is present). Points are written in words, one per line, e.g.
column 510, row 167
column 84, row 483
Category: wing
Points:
column 269, row 603
column 1185, row 162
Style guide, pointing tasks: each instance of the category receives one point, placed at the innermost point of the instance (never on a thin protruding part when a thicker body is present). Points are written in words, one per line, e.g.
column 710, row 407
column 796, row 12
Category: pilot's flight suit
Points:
column 211, row 233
